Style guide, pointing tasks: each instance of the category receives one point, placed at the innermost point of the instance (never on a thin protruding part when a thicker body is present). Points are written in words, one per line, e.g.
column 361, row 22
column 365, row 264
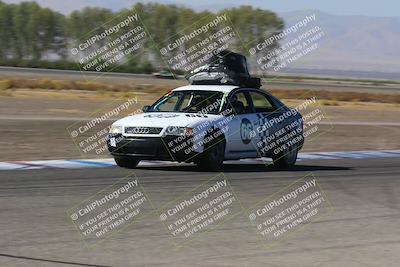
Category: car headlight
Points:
column 115, row 129
column 179, row 131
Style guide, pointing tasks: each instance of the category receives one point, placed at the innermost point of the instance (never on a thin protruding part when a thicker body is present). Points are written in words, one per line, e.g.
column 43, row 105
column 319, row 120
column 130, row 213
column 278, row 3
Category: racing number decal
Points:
column 246, row 129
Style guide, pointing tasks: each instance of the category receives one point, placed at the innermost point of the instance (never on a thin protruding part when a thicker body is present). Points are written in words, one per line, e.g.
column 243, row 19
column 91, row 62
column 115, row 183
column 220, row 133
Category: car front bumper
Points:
column 154, row 148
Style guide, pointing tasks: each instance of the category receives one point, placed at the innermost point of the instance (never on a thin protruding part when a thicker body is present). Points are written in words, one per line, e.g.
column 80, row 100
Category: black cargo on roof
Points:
column 224, row 68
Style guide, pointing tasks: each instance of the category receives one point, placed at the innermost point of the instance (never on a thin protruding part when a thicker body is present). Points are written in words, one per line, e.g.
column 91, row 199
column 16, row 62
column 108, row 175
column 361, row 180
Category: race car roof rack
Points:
column 224, row 68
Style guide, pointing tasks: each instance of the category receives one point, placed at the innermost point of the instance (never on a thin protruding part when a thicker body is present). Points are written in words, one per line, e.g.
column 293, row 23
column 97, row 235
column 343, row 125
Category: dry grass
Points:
column 329, row 103
column 334, row 97
column 4, row 86
column 330, row 98
column 75, row 85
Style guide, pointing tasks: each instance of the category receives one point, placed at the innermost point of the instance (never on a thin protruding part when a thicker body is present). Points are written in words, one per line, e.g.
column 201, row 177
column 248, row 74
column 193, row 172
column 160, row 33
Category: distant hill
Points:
column 357, row 43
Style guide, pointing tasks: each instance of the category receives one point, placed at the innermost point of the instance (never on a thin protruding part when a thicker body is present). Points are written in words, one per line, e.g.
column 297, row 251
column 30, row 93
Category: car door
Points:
column 269, row 123
column 241, row 128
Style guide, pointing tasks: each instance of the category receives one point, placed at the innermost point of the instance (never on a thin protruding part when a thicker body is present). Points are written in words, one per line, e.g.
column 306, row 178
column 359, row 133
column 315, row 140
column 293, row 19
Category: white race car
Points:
column 207, row 124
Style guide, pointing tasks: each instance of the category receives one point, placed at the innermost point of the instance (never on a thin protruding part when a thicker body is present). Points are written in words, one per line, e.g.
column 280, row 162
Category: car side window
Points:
column 261, row 102
column 238, row 102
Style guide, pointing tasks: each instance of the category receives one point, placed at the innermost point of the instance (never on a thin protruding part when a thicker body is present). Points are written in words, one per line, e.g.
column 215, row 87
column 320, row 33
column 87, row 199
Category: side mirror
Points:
column 146, row 108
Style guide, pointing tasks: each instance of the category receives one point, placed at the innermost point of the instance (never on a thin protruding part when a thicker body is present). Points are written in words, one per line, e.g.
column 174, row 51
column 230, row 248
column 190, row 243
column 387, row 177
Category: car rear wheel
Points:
column 128, row 163
column 212, row 158
column 287, row 159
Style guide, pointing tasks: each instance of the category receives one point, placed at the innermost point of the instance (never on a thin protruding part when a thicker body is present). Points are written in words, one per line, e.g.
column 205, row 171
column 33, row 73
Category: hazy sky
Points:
column 381, row 8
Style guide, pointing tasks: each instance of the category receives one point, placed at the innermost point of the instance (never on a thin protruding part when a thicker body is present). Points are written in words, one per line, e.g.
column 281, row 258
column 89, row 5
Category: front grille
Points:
column 142, row 130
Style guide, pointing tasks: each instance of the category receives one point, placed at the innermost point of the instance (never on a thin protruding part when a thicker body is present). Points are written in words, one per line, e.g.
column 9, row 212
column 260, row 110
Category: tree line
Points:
column 33, row 36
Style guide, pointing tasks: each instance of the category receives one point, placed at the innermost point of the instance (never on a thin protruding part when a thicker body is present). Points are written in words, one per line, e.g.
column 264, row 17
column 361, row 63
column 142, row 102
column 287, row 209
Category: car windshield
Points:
column 206, row 102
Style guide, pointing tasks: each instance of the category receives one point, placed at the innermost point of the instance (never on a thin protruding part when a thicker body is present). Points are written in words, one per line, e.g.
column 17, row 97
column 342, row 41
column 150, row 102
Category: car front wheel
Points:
column 287, row 159
column 212, row 157
column 128, row 163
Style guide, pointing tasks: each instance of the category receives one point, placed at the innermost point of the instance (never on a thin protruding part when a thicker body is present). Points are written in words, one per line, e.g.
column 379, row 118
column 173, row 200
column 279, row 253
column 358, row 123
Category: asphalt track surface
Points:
column 362, row 229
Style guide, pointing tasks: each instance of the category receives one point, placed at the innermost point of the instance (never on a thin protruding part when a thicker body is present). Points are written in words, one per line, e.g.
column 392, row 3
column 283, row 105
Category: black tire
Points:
column 286, row 159
column 212, row 158
column 128, row 163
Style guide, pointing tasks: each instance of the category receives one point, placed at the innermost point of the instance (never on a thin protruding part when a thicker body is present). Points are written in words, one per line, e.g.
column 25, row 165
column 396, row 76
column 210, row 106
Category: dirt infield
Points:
column 34, row 124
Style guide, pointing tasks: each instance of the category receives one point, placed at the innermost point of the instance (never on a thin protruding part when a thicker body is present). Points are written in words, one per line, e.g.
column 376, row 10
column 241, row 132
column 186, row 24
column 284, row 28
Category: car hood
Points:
column 164, row 119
